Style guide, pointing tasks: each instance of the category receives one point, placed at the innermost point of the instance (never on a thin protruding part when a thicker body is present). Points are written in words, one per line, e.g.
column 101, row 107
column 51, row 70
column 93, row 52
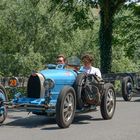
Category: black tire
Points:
column 127, row 85
column 3, row 110
column 108, row 101
column 78, row 86
column 65, row 107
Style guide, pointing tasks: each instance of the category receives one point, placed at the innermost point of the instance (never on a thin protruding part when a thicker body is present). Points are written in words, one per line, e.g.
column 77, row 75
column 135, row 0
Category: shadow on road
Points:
column 137, row 100
column 84, row 119
column 42, row 121
column 78, row 120
column 31, row 121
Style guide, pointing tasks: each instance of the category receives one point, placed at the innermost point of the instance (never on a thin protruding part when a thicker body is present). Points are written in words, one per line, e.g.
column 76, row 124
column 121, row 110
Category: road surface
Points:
column 125, row 125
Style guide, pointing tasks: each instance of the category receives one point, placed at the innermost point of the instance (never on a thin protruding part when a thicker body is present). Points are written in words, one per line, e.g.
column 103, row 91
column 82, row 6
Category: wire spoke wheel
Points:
column 108, row 101
column 65, row 107
column 68, row 107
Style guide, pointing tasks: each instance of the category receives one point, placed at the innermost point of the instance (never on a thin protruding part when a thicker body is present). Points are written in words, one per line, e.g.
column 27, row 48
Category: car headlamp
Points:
column 49, row 84
column 13, row 82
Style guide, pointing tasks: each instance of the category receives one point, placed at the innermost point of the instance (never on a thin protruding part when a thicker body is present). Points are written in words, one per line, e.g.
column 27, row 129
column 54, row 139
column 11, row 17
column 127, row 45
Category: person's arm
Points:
column 81, row 69
column 98, row 73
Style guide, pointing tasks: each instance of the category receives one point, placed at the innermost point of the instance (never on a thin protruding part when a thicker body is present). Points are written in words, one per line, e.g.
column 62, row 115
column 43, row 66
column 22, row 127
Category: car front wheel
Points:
column 65, row 107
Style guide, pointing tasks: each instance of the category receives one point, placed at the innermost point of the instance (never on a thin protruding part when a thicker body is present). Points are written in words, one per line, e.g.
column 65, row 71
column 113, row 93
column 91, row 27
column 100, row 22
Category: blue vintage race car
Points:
column 61, row 91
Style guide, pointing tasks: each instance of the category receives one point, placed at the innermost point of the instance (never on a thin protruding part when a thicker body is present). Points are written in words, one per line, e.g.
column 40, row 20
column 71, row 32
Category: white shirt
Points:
column 91, row 70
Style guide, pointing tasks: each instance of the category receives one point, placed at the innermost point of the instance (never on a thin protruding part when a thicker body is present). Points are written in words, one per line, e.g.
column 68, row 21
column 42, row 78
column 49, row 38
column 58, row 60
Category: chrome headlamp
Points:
column 49, row 84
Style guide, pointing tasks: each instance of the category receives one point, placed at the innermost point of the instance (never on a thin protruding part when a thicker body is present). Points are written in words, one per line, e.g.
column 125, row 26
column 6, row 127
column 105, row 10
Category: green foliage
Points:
column 79, row 10
column 34, row 32
column 20, row 64
column 10, row 91
column 126, row 41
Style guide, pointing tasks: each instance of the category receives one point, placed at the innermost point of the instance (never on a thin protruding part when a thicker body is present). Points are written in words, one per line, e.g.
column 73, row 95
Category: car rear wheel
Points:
column 3, row 110
column 65, row 107
column 108, row 102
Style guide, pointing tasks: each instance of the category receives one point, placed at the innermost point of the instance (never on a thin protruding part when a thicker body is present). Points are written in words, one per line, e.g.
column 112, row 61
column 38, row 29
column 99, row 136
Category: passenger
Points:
column 87, row 67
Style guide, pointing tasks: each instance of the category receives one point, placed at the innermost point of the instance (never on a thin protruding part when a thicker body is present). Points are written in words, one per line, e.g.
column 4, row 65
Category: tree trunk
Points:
column 105, row 39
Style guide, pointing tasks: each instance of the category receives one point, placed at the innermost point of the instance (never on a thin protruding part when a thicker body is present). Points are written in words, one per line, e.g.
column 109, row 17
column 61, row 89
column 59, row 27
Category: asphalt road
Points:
column 125, row 125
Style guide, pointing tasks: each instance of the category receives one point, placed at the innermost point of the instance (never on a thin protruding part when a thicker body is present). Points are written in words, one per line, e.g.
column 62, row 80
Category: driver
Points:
column 61, row 59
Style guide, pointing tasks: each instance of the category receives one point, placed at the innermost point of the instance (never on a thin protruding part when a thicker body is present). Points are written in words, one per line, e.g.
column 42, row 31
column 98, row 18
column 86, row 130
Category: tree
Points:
column 18, row 29
column 108, row 8
column 33, row 32
column 126, row 42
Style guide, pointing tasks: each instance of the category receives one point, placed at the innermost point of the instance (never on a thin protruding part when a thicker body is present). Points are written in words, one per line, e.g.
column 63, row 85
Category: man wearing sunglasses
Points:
column 61, row 59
